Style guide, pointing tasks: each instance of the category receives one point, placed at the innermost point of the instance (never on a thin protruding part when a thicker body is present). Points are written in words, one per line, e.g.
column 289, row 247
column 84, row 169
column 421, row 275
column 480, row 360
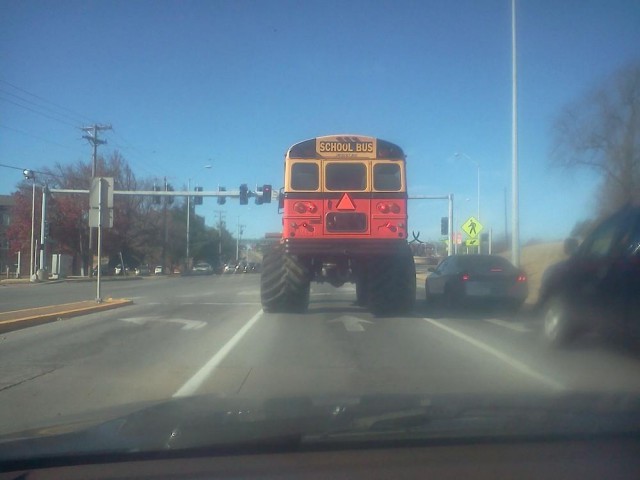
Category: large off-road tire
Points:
column 559, row 327
column 392, row 284
column 284, row 283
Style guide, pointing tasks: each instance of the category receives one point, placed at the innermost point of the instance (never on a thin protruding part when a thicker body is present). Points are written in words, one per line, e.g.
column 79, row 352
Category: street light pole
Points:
column 188, row 222
column 515, row 220
column 30, row 175
column 477, row 164
column 33, row 224
column 43, row 239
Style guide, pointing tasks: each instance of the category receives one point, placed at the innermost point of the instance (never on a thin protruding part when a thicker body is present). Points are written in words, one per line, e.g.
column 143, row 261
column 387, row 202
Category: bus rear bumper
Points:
column 346, row 247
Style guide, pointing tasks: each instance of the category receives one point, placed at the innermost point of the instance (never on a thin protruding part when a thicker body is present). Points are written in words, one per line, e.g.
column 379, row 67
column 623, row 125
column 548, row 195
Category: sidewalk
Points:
column 26, row 281
column 17, row 319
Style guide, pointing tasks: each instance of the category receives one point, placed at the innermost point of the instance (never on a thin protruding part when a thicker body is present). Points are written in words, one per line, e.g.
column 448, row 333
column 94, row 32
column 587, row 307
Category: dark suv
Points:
column 598, row 287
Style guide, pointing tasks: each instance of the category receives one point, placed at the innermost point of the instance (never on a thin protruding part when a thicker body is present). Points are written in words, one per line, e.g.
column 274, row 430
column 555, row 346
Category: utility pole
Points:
column 220, row 225
column 239, row 233
column 92, row 137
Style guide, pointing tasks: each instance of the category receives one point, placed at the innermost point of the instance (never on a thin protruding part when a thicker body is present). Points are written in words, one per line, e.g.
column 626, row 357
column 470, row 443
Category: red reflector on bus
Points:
column 345, row 203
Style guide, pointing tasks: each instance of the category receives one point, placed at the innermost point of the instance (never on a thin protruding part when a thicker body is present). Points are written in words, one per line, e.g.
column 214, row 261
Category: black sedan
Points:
column 462, row 279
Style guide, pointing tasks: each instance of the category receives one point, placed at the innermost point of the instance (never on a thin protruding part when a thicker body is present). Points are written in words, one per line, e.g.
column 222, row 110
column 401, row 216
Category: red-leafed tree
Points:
column 137, row 224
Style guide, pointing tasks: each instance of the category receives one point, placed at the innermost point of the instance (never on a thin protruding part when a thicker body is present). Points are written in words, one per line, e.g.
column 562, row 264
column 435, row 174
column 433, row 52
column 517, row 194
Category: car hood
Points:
column 222, row 423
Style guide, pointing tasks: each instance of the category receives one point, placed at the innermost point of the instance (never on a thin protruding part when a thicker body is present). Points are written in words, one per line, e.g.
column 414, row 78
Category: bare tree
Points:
column 601, row 131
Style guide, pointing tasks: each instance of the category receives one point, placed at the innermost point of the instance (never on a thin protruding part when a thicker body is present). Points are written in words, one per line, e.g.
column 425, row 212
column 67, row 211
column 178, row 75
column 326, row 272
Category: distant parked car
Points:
column 229, row 268
column 103, row 271
column 142, row 270
column 464, row 279
column 202, row 268
column 159, row 270
column 597, row 288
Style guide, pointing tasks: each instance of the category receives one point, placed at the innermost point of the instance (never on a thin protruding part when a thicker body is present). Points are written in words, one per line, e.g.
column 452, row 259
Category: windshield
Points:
column 346, row 176
column 289, row 204
column 484, row 264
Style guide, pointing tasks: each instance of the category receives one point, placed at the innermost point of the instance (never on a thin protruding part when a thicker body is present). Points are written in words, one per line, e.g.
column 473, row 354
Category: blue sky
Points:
column 235, row 83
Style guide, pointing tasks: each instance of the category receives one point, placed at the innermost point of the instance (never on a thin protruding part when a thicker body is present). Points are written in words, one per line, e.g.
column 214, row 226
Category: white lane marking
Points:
column 512, row 362
column 135, row 320
column 186, row 324
column 513, row 326
column 351, row 324
column 195, row 382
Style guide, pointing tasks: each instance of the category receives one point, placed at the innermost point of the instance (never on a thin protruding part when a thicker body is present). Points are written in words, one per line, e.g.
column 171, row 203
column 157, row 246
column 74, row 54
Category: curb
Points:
column 28, row 317
column 103, row 279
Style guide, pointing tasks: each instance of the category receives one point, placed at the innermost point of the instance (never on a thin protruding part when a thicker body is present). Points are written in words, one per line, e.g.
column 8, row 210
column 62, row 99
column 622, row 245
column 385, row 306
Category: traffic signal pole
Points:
column 449, row 198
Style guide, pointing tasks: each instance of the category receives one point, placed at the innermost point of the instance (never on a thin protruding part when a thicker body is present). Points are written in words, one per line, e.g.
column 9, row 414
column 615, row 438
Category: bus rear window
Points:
column 386, row 177
column 305, row 176
column 346, row 176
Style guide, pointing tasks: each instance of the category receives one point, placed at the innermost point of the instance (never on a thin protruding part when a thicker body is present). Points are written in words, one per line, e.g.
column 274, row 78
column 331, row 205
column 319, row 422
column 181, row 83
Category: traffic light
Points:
column 198, row 200
column 444, row 226
column 244, row 194
column 47, row 227
column 266, row 194
column 222, row 200
column 156, row 198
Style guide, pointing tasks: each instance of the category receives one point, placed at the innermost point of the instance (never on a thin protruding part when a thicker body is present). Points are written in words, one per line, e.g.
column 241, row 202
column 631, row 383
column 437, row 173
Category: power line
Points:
column 11, row 166
column 45, row 100
column 39, row 113
column 37, row 105
column 23, row 132
column 22, row 169
column 150, row 167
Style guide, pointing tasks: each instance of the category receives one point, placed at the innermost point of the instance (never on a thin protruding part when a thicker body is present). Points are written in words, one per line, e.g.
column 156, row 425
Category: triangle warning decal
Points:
column 345, row 203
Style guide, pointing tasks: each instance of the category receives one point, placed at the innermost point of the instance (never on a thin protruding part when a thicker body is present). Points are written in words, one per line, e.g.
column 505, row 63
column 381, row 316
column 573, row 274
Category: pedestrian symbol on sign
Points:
column 472, row 227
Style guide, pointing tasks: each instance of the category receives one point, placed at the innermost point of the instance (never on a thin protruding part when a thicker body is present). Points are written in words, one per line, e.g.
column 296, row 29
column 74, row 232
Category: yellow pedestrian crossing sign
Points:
column 472, row 227
column 472, row 242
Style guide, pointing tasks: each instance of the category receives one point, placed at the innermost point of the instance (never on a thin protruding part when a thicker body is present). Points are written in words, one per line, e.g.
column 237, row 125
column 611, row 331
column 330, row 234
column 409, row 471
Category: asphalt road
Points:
column 197, row 335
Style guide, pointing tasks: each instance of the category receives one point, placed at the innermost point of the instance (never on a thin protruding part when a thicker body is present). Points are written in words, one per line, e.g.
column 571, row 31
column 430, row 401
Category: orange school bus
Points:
column 344, row 208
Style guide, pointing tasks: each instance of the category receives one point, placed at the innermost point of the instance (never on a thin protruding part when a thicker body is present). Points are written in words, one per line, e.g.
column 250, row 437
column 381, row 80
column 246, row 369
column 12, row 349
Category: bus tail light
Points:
column 305, row 207
column 388, row 207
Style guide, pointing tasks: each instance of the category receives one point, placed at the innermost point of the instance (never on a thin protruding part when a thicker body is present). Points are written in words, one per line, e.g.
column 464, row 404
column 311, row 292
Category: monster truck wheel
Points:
column 284, row 283
column 392, row 284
